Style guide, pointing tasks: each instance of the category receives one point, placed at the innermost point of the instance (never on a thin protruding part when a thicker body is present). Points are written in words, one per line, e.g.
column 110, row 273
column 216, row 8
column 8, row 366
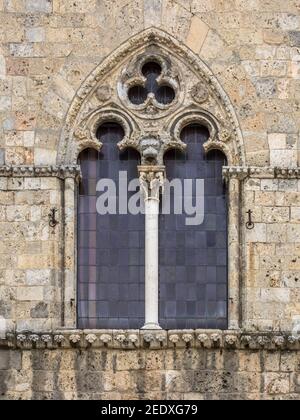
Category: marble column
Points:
column 151, row 181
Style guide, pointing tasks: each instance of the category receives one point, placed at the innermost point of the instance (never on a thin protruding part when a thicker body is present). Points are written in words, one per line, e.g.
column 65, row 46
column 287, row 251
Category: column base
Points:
column 151, row 326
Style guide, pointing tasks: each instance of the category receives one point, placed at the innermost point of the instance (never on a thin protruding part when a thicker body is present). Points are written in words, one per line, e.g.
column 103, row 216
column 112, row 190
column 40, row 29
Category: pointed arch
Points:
column 80, row 108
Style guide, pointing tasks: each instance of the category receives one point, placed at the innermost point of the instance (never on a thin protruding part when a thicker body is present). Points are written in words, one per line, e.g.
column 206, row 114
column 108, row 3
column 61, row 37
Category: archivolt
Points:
column 234, row 147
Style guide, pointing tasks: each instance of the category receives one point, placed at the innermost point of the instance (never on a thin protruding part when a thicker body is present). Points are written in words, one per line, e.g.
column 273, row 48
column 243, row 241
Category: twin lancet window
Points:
column 152, row 210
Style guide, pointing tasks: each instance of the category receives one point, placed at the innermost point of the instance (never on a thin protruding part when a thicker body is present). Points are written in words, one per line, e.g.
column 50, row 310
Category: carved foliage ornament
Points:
column 168, row 80
column 149, row 88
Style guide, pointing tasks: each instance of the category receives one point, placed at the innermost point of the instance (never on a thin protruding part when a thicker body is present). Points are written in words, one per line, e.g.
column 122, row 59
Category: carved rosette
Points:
column 200, row 93
column 103, row 93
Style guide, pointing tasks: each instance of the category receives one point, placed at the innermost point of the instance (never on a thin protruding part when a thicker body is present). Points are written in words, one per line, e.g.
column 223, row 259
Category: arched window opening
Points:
column 110, row 246
column 193, row 258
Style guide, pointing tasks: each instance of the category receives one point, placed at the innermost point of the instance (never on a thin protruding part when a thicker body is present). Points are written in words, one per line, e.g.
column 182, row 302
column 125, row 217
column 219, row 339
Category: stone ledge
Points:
column 62, row 172
column 269, row 172
column 153, row 340
column 73, row 171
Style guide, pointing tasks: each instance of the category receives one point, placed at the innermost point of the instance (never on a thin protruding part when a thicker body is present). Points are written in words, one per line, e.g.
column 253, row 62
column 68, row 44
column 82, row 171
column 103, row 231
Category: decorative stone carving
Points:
column 263, row 341
column 150, row 149
column 200, row 93
column 174, row 338
column 133, row 338
column 231, row 340
column 21, row 338
column 246, row 339
column 46, row 338
column 34, row 338
column 62, row 171
column 148, row 338
column 255, row 341
column 91, row 338
column 133, row 76
column 224, row 135
column 292, row 339
column 151, row 181
column 75, row 338
column 260, row 172
column 121, row 338
column 279, row 341
column 161, row 337
column 104, row 93
column 204, row 340
column 106, row 338
column 216, row 338
column 110, row 85
column 187, row 338
column 59, row 338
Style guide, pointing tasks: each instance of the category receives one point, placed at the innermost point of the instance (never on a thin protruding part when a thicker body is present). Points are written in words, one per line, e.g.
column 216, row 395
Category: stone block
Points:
column 40, row 6
column 279, row 295
column 276, row 383
column 271, row 361
column 276, row 214
column 33, row 293
column 295, row 214
column 152, row 13
column 38, row 277
column 258, row 234
column 197, row 34
column 293, row 233
column 35, row 34
column 277, row 141
column 276, row 233
column 285, row 158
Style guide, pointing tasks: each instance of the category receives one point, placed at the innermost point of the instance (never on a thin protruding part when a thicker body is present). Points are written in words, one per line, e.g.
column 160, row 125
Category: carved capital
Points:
column 151, row 181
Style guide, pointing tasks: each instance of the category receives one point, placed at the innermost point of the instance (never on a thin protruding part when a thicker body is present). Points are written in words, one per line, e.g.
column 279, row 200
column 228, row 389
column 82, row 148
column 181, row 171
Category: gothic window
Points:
column 157, row 121
column 193, row 259
column 110, row 246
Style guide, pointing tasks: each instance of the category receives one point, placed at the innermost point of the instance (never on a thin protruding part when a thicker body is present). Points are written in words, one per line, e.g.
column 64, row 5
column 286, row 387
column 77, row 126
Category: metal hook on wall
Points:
column 52, row 218
column 250, row 224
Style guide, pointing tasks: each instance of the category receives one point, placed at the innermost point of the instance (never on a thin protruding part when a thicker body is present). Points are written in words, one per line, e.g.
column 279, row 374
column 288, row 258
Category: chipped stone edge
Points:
column 152, row 340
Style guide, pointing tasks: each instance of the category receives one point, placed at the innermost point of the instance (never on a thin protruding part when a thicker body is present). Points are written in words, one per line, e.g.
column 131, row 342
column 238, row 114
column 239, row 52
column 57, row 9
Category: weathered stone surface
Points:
column 252, row 48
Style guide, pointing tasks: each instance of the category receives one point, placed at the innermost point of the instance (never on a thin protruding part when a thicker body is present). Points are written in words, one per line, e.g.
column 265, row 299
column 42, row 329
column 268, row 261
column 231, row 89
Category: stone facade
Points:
column 55, row 58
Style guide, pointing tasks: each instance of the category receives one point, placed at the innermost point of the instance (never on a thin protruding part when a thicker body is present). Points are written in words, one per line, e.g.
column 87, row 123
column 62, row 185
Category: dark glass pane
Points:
column 165, row 95
column 137, row 95
column 151, row 71
column 110, row 247
column 193, row 259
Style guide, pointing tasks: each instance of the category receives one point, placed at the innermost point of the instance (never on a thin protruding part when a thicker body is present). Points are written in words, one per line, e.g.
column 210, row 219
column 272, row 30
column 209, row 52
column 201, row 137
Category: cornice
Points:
column 62, row 172
column 152, row 340
column 260, row 172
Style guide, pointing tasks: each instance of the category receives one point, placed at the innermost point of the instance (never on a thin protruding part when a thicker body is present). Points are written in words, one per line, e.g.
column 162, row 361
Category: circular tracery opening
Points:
column 164, row 94
column 111, row 132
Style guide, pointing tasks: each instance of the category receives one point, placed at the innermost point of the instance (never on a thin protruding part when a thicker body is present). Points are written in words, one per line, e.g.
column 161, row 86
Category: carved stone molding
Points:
column 60, row 171
column 194, row 85
column 169, row 76
column 143, row 339
column 242, row 172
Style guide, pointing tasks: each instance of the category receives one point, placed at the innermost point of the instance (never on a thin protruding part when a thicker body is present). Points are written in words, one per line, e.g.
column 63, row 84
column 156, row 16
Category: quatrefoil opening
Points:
column 152, row 87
